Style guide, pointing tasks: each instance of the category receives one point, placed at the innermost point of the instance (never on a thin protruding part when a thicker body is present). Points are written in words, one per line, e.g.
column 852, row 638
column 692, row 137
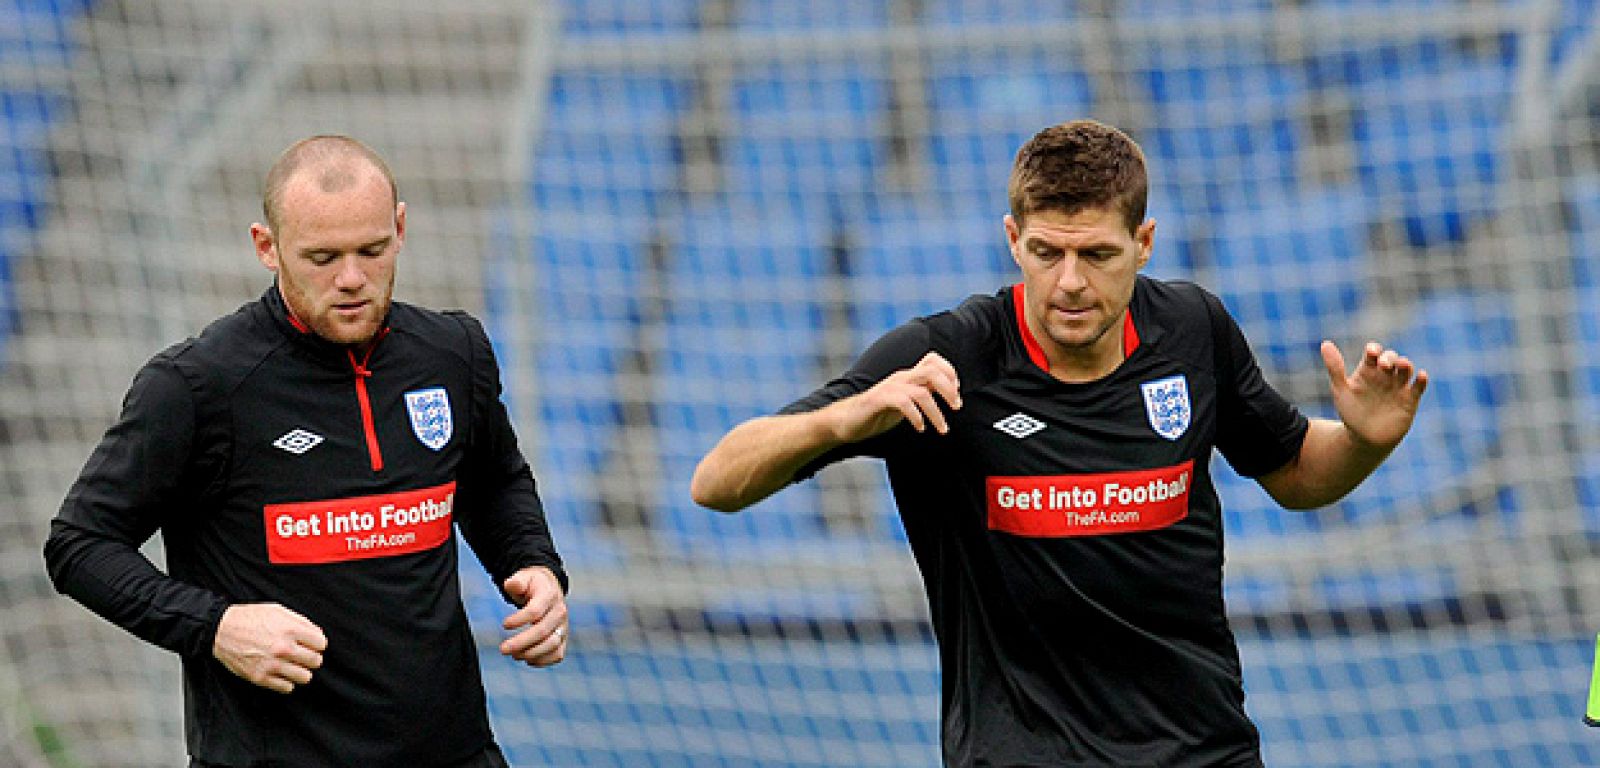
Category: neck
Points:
column 1076, row 364
column 1096, row 360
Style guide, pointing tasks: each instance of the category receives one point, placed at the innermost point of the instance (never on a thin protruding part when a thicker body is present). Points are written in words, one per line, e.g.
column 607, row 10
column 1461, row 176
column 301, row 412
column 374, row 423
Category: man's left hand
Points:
column 1379, row 400
column 542, row 617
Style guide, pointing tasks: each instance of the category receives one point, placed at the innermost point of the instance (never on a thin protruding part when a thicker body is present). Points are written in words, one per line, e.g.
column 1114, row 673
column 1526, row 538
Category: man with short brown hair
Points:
column 1061, row 507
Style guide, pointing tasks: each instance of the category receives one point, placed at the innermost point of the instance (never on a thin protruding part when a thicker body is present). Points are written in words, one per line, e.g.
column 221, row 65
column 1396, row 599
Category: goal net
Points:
column 677, row 214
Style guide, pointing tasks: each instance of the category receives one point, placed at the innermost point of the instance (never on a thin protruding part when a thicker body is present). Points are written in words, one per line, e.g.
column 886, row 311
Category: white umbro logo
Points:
column 297, row 441
column 1019, row 425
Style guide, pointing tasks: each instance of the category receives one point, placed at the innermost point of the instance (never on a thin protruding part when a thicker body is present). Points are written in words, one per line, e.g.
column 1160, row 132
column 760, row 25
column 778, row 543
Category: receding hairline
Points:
column 335, row 155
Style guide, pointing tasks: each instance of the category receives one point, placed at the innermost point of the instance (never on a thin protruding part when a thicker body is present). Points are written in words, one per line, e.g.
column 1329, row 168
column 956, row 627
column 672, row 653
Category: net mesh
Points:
column 678, row 214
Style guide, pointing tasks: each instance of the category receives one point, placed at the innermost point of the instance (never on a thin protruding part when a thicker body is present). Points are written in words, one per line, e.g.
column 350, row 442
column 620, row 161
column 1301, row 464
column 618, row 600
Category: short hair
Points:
column 336, row 157
column 1077, row 165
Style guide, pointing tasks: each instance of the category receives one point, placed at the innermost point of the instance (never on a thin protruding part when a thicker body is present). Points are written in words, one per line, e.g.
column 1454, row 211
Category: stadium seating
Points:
column 608, row 143
column 1455, row 337
column 985, row 105
column 816, row 16
column 1584, row 204
column 1293, row 270
column 940, row 13
column 804, row 137
column 1428, row 132
column 632, row 17
column 33, row 35
column 1221, row 157
column 745, row 307
column 914, row 258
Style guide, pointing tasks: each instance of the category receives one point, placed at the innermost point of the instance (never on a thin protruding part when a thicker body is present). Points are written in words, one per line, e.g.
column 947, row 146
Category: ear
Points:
column 1013, row 234
column 400, row 223
column 1146, row 236
column 266, row 246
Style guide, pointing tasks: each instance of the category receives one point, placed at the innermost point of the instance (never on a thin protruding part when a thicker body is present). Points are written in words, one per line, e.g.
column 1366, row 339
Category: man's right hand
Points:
column 907, row 394
column 269, row 645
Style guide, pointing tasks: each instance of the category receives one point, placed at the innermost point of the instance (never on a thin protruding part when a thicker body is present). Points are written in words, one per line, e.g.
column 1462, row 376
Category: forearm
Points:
column 1331, row 463
column 761, row 456
column 115, row 581
column 504, row 521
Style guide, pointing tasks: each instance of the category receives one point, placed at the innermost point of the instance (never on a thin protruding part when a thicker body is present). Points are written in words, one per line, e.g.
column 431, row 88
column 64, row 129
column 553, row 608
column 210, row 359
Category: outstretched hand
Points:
column 1379, row 400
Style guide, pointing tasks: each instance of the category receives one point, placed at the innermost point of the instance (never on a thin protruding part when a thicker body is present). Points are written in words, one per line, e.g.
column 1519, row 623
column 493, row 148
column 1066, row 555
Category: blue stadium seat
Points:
column 914, row 259
column 1576, row 28
column 1583, row 199
column 814, row 15
column 806, row 137
column 1177, row 243
column 1383, row 5
column 1586, row 302
column 36, row 33
column 1000, row 12
column 1191, row 10
column 1227, row 128
column 1293, row 271
column 1463, row 341
column 589, row 282
column 608, row 145
column 25, row 118
column 986, row 105
column 633, row 17
column 1428, row 127
column 742, row 339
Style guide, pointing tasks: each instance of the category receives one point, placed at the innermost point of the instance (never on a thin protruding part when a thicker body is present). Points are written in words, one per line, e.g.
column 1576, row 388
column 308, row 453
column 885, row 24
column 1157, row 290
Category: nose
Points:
column 349, row 277
column 1071, row 278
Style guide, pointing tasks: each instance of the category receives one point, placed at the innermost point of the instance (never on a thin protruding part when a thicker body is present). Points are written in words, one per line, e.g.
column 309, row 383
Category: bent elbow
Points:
column 59, row 553
column 707, row 494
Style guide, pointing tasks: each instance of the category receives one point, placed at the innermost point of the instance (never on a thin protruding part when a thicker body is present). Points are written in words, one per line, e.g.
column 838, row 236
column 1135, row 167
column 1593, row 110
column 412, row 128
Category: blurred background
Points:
column 677, row 214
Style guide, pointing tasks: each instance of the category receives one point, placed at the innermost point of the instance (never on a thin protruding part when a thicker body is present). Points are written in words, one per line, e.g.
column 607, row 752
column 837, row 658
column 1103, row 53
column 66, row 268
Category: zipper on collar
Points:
column 362, row 374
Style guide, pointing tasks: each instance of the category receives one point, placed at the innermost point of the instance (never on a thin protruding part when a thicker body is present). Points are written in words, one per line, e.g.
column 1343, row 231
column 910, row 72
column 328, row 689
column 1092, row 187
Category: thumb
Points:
column 517, row 586
column 1333, row 360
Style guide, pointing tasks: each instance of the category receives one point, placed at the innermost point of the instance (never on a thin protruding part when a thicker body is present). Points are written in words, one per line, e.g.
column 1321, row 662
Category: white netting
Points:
column 676, row 214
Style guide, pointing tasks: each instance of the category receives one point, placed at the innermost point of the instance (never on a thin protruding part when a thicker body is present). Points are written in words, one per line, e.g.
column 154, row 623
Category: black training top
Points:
column 1069, row 536
column 281, row 468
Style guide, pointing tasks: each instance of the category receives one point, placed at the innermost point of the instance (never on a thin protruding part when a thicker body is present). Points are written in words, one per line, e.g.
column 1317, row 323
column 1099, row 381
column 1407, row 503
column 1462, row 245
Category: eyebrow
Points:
column 1035, row 244
column 378, row 243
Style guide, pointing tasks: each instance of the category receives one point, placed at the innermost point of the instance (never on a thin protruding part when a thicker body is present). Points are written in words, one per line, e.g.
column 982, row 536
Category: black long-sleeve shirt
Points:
column 280, row 467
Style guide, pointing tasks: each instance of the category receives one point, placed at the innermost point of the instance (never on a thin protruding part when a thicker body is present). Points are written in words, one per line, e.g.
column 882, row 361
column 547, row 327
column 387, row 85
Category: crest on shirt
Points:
column 430, row 416
column 1166, row 402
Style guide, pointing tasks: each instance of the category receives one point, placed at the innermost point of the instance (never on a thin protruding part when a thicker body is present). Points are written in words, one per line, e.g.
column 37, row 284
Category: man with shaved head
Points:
column 304, row 459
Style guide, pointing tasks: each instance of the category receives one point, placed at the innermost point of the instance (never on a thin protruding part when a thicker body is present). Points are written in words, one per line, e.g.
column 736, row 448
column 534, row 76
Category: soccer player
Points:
column 304, row 459
column 1049, row 449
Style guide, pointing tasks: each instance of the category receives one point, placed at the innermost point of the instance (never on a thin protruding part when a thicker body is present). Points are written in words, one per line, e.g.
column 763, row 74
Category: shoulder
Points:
column 1176, row 300
column 451, row 334
column 1181, row 318
column 978, row 319
column 225, row 352
column 972, row 336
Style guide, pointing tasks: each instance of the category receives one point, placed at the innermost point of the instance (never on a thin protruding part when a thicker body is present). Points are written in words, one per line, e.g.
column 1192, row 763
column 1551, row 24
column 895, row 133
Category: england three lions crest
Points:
column 1166, row 402
column 430, row 416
